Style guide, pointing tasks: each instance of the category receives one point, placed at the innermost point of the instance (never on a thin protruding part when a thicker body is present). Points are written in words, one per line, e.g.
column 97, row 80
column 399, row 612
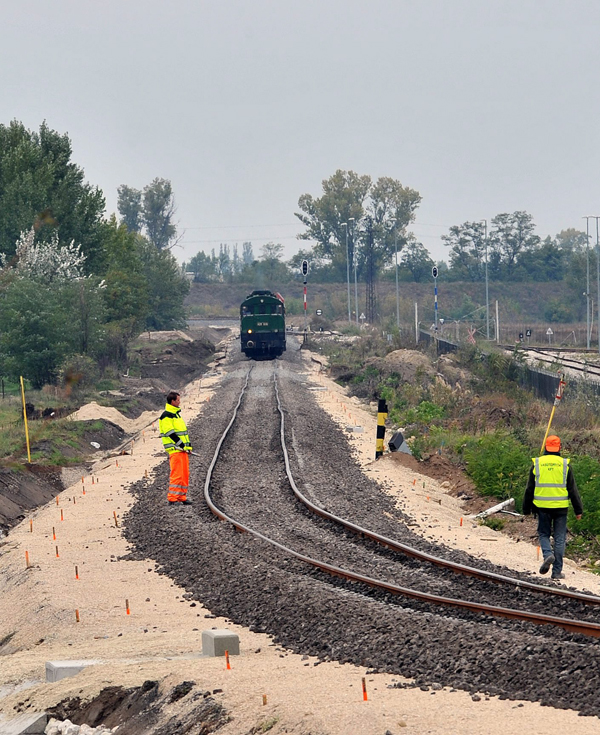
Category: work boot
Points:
column 558, row 575
column 186, row 502
column 546, row 564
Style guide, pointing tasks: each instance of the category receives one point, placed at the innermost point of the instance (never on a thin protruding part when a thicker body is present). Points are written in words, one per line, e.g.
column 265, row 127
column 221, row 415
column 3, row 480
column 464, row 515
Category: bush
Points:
column 499, row 466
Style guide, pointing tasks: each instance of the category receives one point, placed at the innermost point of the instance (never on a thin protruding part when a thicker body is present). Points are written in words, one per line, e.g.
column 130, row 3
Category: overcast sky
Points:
column 483, row 106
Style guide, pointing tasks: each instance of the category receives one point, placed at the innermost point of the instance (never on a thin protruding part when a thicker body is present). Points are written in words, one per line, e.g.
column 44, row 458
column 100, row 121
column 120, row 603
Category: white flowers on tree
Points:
column 46, row 261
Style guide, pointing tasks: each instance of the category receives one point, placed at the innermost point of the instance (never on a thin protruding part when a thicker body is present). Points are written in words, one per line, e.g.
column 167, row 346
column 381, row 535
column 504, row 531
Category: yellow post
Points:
column 25, row 419
column 559, row 394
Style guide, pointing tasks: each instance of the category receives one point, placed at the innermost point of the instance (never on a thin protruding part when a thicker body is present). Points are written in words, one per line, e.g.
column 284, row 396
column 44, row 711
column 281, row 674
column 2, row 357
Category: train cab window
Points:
column 246, row 310
column 262, row 309
column 276, row 309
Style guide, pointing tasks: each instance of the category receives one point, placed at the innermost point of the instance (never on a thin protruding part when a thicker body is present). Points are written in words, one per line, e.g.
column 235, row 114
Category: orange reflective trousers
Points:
column 180, row 476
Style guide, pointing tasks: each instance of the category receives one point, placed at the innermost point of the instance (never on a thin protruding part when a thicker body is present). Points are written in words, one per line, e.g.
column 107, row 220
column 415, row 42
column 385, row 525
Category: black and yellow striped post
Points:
column 382, row 412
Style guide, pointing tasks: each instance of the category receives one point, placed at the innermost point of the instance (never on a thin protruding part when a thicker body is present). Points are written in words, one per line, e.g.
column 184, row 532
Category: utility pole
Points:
column 351, row 219
column 345, row 225
column 587, row 279
column 397, row 289
column 370, row 279
column 487, row 291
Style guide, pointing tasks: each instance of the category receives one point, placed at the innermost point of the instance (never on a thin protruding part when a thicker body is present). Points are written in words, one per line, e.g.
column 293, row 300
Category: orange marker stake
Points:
column 415, row 481
column 116, row 521
column 227, row 659
column 76, row 572
column 27, row 564
column 117, row 462
column 57, row 500
column 264, row 699
column 53, row 534
column 30, row 526
column 538, row 553
column 127, row 607
column 56, row 547
column 92, row 480
column 84, row 489
column 82, row 480
column 77, row 616
column 461, row 520
column 62, row 518
column 74, row 501
column 364, row 687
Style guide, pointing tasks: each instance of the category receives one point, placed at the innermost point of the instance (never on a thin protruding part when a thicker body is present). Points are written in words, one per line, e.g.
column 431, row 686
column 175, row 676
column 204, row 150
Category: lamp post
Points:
column 351, row 219
column 587, row 281
column 345, row 225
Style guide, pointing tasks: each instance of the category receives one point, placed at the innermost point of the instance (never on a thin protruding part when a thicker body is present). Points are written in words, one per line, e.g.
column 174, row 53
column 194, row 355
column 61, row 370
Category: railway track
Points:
column 388, row 549
column 590, row 370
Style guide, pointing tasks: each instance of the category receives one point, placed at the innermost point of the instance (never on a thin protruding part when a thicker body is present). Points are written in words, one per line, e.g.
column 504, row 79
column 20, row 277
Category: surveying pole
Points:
column 559, row 395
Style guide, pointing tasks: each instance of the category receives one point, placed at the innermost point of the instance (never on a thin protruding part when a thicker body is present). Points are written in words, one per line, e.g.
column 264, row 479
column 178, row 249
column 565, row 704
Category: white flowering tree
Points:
column 46, row 262
column 49, row 310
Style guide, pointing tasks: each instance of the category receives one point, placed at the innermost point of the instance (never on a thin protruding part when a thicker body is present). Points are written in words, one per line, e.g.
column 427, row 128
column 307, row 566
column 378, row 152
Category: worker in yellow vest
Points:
column 550, row 487
column 176, row 443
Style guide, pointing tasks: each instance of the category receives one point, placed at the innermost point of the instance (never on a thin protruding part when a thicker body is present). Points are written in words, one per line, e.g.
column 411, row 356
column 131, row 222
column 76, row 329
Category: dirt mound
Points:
column 139, row 710
column 438, row 468
column 407, row 364
column 176, row 364
column 22, row 491
column 94, row 411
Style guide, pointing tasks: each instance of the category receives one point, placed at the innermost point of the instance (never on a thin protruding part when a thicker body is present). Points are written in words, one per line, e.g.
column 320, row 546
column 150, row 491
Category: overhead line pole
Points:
column 487, row 291
column 587, row 281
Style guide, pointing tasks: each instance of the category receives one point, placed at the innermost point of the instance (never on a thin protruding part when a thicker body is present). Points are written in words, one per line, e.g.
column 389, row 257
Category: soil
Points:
column 138, row 710
column 23, row 490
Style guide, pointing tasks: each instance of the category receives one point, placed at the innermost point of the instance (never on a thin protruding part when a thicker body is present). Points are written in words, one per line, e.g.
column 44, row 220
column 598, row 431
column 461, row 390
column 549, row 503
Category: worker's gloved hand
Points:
column 578, row 517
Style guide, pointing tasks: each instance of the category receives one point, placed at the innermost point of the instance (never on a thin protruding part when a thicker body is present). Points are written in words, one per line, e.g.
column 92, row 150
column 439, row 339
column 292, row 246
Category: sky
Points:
column 483, row 106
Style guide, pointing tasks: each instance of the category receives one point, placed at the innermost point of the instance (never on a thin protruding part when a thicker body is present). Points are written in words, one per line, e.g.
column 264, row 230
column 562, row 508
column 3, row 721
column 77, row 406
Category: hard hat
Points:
column 553, row 444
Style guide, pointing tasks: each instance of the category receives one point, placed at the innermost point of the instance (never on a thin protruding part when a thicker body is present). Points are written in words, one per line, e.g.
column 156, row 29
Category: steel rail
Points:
column 417, row 553
column 574, row 626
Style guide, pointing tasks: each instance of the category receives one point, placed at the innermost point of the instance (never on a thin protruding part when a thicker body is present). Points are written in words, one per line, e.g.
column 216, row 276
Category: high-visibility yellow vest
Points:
column 173, row 430
column 550, row 481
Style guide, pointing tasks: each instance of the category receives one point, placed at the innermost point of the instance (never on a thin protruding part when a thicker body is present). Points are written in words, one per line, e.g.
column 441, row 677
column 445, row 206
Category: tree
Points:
column 167, row 287
column 350, row 198
column 343, row 198
column 129, row 204
column 392, row 207
column 45, row 262
column 272, row 266
column 415, row 257
column 157, row 213
column 544, row 262
column 510, row 236
column 203, row 268
column 467, row 250
column 41, row 187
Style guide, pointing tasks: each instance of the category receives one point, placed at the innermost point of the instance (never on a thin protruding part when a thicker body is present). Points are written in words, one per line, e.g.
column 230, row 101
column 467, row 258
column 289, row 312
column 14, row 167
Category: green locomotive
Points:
column 262, row 324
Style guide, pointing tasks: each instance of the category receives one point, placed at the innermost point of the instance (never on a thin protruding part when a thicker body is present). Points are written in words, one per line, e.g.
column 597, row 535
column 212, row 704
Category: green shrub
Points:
column 499, row 466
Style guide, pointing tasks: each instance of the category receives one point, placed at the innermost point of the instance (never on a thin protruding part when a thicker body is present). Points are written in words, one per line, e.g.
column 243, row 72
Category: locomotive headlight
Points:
column 249, row 331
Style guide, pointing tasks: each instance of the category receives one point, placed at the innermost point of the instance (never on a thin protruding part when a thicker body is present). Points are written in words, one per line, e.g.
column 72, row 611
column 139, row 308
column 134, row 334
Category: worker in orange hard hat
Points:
column 550, row 487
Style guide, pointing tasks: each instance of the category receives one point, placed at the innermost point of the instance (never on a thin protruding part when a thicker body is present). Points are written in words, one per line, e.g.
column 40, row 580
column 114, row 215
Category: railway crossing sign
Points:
column 549, row 332
column 528, row 332
column 318, row 312
column 471, row 338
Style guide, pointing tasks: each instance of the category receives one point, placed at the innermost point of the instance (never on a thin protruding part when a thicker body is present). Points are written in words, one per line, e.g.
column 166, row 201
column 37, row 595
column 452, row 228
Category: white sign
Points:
column 549, row 332
column 362, row 316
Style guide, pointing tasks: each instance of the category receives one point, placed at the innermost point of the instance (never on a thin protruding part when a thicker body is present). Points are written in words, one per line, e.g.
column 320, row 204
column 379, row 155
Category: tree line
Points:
column 76, row 286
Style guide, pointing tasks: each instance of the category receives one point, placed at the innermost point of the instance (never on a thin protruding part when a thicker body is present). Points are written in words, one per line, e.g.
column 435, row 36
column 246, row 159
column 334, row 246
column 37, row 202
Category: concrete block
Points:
column 216, row 642
column 57, row 670
column 32, row 724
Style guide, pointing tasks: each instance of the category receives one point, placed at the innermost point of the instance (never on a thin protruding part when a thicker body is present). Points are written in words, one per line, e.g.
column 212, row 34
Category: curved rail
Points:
column 574, row 626
column 417, row 553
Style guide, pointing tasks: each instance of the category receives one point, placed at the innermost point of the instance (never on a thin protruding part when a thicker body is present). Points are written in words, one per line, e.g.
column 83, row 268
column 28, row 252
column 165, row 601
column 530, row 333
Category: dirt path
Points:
column 161, row 638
